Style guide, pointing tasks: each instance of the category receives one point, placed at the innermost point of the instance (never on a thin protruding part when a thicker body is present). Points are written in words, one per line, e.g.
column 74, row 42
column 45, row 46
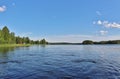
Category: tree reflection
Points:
column 6, row 49
column 43, row 45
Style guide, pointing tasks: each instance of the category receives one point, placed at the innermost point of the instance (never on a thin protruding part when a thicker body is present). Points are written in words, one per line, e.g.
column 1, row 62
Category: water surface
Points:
column 60, row 62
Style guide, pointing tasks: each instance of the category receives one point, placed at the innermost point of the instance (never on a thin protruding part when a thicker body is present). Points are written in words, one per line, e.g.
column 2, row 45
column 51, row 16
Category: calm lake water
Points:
column 60, row 62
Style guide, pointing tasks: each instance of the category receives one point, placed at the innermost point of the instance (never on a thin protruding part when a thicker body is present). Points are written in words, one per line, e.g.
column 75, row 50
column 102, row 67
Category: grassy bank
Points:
column 14, row 45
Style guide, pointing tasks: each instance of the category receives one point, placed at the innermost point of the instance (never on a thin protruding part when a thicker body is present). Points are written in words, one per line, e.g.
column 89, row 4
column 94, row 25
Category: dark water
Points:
column 61, row 62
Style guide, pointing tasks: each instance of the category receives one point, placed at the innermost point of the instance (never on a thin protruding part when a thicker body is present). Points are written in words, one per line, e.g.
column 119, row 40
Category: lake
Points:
column 60, row 62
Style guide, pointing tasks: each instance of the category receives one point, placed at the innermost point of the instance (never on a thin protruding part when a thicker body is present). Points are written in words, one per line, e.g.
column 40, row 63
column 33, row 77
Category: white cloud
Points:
column 108, row 24
column 98, row 13
column 103, row 32
column 99, row 22
column 2, row 8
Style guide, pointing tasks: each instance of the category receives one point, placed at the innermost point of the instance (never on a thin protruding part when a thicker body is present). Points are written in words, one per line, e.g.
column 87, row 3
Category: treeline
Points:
column 7, row 37
column 101, row 42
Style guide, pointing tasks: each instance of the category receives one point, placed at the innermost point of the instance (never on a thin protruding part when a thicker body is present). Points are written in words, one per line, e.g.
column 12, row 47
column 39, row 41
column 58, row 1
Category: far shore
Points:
column 60, row 43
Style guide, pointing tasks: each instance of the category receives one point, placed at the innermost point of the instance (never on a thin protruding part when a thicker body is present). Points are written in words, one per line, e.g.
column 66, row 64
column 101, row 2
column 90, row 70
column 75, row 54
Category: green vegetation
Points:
column 108, row 42
column 87, row 42
column 43, row 41
column 101, row 42
column 8, row 39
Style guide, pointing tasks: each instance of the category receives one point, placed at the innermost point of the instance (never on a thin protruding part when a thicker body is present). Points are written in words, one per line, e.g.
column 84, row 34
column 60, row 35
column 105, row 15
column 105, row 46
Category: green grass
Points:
column 14, row 45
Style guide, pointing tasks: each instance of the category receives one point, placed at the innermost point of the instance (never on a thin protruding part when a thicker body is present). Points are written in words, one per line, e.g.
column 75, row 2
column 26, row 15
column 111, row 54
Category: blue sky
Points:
column 62, row 20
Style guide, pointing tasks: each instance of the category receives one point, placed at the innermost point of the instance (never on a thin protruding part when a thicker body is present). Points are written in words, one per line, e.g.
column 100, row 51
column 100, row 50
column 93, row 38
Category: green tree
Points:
column 1, row 37
column 27, row 40
column 43, row 41
column 87, row 42
column 19, row 40
column 32, row 42
column 12, row 38
column 5, row 33
column 37, row 42
column 7, row 37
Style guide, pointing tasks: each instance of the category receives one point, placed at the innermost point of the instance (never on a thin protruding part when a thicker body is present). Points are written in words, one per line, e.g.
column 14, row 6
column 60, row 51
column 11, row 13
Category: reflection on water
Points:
column 43, row 45
column 6, row 49
column 4, row 53
column 60, row 62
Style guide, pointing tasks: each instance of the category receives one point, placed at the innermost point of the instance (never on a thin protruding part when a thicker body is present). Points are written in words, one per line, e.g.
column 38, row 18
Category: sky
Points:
column 62, row 20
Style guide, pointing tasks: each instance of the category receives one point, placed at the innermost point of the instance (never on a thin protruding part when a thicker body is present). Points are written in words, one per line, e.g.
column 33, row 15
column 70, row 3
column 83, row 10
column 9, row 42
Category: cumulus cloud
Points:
column 103, row 32
column 98, row 13
column 2, row 8
column 108, row 24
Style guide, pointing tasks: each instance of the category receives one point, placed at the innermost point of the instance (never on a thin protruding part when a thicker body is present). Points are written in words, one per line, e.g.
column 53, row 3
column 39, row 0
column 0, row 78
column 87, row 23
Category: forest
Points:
column 101, row 42
column 7, row 37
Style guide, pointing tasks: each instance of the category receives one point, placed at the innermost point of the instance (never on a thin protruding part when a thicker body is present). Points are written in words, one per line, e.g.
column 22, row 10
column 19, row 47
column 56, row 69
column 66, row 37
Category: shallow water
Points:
column 60, row 62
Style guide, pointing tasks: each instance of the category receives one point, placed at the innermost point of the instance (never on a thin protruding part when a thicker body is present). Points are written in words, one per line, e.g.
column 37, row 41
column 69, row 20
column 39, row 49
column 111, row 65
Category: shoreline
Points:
column 14, row 45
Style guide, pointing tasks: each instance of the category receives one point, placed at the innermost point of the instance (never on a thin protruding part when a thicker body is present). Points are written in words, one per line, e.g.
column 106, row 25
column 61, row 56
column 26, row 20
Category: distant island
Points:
column 101, row 42
column 8, row 38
